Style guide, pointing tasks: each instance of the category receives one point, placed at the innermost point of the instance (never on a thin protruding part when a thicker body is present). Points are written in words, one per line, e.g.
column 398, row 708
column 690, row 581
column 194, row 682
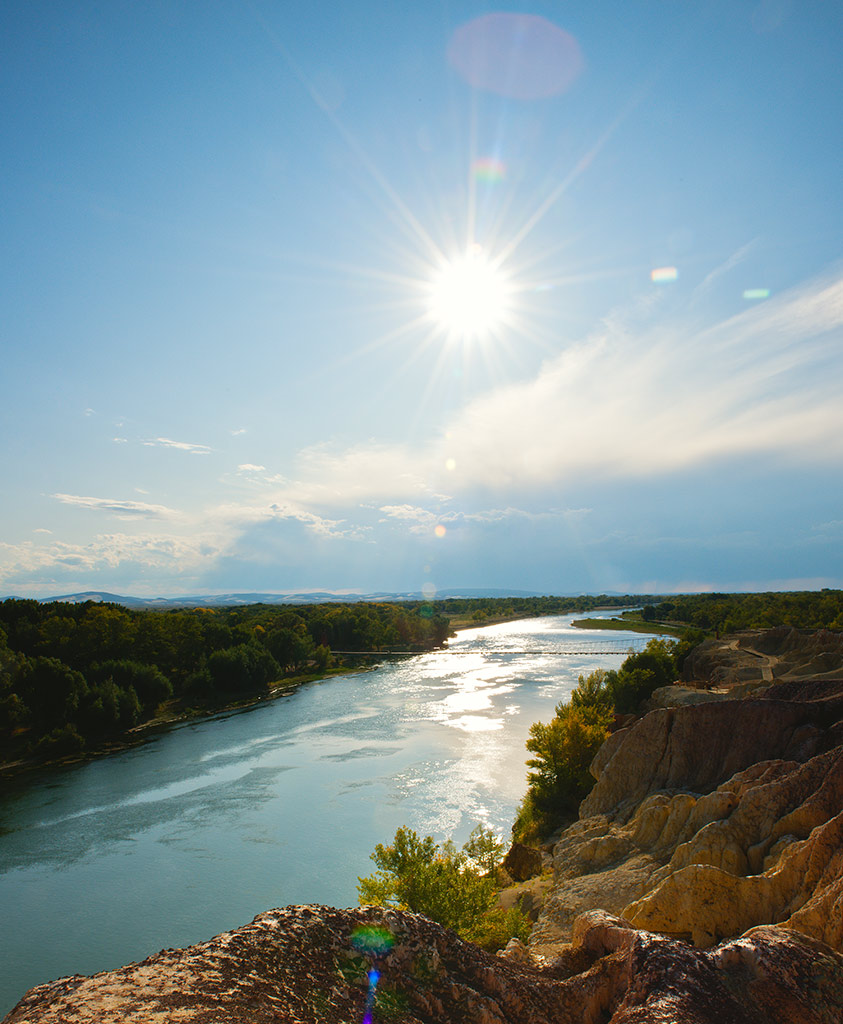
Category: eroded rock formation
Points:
column 708, row 820
column 304, row 964
column 764, row 656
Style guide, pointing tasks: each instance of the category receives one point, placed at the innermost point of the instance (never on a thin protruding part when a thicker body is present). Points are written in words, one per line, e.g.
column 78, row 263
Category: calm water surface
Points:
column 215, row 821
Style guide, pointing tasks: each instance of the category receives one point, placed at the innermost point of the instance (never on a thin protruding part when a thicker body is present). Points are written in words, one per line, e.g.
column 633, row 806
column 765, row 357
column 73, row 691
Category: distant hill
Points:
column 308, row 597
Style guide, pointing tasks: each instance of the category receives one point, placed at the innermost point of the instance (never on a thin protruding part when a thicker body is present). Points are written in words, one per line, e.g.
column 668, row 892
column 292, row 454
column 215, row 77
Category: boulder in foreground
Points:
column 312, row 964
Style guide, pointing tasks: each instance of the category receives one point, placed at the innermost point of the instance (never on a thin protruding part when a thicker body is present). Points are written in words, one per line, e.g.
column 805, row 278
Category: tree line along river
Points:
column 216, row 820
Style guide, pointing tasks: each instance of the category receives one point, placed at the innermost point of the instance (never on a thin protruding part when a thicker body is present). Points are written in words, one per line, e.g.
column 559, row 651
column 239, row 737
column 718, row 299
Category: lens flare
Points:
column 664, row 275
column 522, row 56
column 488, row 169
column 372, row 939
column 440, row 530
column 757, row 293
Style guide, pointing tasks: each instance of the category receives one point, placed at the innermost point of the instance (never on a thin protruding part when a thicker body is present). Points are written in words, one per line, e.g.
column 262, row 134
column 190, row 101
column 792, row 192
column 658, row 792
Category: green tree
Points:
column 246, row 668
column 150, row 684
column 52, row 692
column 107, row 710
column 416, row 874
column 485, row 849
column 593, row 691
column 563, row 750
column 642, row 673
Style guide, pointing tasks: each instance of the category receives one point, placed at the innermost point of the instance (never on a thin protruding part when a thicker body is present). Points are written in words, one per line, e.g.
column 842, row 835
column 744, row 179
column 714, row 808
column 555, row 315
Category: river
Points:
column 214, row 821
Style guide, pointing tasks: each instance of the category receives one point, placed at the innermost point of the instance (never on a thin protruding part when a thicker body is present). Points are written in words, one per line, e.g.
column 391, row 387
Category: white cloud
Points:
column 122, row 509
column 424, row 521
column 249, row 467
column 29, row 564
column 184, row 446
column 628, row 402
column 230, row 518
column 767, row 380
column 120, row 440
column 421, row 520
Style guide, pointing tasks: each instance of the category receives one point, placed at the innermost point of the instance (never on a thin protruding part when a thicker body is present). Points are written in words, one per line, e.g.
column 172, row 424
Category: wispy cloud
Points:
column 183, row 446
column 232, row 517
column 248, row 467
column 121, row 508
column 733, row 261
column 627, row 402
column 421, row 520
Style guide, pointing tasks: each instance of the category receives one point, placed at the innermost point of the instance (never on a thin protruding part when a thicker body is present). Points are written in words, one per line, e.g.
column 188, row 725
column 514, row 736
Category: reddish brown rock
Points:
column 522, row 862
column 302, row 965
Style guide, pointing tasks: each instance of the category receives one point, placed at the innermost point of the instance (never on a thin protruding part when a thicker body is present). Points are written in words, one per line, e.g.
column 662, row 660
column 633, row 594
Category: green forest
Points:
column 79, row 677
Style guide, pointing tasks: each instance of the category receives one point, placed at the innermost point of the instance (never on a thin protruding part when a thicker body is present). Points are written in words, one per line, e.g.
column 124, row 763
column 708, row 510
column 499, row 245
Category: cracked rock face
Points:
column 709, row 820
column 307, row 964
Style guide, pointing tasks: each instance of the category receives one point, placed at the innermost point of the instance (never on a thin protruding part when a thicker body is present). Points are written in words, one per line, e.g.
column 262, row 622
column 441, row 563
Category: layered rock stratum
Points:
column 702, row 884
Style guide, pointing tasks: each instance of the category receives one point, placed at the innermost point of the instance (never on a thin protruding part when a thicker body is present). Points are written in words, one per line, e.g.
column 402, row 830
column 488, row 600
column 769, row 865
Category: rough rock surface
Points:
column 711, row 819
column 522, row 862
column 764, row 656
column 302, row 964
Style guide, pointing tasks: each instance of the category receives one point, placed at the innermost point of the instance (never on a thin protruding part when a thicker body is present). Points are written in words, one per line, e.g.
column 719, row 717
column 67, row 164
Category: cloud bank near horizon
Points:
column 646, row 400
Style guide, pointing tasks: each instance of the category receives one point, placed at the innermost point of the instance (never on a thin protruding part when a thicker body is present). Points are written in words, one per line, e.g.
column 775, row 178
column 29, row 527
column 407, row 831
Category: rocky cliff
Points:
column 315, row 964
column 703, row 882
column 710, row 819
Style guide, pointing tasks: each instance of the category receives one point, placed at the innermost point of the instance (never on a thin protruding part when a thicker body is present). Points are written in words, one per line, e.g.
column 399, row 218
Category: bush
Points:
column 559, row 778
column 416, row 874
column 497, row 926
column 60, row 743
column 642, row 673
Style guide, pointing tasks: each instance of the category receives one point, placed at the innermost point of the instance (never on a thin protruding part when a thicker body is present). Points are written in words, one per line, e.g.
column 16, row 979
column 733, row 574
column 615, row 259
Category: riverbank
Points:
column 209, row 821
column 630, row 626
column 173, row 713
column 180, row 711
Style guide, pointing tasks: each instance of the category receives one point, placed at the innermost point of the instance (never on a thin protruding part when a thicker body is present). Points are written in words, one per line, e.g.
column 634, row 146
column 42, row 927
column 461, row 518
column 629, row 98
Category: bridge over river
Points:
column 563, row 650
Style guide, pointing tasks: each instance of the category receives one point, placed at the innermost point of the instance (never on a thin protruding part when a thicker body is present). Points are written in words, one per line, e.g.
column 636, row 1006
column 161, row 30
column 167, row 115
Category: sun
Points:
column 469, row 295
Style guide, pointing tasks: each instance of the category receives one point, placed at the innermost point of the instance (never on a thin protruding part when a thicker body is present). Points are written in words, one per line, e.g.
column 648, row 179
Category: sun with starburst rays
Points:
column 470, row 295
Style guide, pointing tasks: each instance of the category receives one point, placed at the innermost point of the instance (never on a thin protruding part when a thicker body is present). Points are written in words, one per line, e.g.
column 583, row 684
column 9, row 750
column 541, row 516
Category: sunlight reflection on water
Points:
column 213, row 822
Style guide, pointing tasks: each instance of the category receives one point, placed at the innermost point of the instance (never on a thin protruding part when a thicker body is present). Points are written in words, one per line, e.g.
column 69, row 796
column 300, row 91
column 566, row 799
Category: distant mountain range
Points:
column 309, row 597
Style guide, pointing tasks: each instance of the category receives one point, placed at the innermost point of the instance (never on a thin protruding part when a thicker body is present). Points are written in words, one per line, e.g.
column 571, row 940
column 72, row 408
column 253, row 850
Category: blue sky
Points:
column 226, row 364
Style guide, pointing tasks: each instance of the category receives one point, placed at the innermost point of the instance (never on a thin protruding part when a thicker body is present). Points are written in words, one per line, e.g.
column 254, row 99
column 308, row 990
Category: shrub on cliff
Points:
column 642, row 673
column 563, row 749
column 444, row 884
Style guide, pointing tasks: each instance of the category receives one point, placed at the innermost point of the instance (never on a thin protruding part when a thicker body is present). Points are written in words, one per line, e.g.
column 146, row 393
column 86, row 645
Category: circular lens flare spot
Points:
column 440, row 530
column 469, row 295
